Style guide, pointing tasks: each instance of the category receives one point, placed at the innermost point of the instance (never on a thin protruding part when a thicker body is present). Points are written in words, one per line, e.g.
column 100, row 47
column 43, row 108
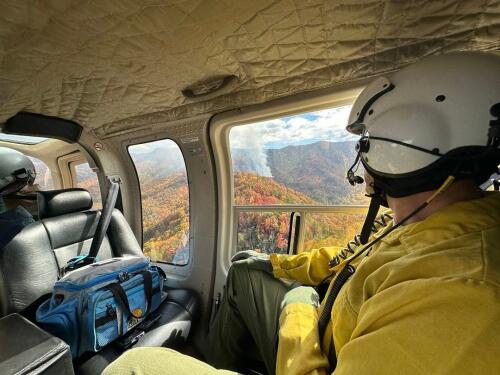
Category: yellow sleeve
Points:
column 428, row 326
column 299, row 350
column 308, row 268
column 311, row 267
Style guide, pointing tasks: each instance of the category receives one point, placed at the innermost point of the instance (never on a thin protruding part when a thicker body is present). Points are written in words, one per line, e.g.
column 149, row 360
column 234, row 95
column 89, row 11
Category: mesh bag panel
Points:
column 106, row 333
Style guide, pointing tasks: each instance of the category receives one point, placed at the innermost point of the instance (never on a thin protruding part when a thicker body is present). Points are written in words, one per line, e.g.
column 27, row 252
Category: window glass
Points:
column 165, row 200
column 264, row 232
column 332, row 229
column 300, row 159
column 296, row 160
column 43, row 175
column 87, row 179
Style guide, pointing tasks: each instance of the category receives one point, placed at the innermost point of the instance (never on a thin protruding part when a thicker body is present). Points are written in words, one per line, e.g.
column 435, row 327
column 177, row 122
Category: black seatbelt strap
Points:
column 105, row 219
column 100, row 232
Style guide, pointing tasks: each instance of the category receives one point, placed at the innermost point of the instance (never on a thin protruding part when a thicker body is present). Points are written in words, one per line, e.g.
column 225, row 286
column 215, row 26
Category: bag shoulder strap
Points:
column 122, row 299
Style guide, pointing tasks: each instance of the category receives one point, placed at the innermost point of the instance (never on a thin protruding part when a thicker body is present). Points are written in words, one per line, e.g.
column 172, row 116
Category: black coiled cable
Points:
column 340, row 280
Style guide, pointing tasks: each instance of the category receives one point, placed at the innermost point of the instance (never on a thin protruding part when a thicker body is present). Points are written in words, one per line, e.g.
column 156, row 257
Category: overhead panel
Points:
column 115, row 65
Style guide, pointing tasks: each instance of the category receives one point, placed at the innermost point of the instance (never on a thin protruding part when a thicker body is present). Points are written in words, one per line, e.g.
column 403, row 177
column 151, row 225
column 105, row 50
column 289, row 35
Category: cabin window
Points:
column 43, row 179
column 84, row 177
column 164, row 187
column 295, row 165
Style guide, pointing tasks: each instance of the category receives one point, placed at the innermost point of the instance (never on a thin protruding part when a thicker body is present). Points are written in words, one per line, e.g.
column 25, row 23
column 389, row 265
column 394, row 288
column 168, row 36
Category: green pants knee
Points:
column 250, row 309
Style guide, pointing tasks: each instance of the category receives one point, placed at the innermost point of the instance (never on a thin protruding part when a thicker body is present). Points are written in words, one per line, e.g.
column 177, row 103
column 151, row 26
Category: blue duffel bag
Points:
column 94, row 305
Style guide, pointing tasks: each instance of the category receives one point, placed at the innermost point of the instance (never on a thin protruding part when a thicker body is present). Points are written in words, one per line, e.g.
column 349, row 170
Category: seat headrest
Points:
column 59, row 202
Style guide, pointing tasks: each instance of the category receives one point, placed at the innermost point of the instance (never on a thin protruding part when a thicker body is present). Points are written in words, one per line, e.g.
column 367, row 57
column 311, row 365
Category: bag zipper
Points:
column 72, row 287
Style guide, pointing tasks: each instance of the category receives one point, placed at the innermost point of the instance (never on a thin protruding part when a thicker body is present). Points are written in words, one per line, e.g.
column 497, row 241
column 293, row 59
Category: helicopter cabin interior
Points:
column 222, row 121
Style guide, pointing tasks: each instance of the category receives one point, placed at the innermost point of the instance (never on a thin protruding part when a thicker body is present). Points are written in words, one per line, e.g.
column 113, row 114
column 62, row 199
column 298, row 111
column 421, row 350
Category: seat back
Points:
column 30, row 263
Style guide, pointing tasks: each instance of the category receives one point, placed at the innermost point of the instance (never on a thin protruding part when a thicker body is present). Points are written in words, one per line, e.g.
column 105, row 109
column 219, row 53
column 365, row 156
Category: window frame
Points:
column 219, row 136
column 155, row 138
column 74, row 181
column 68, row 177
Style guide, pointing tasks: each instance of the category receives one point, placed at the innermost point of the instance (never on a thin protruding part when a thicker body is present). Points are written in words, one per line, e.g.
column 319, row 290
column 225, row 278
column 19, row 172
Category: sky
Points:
column 301, row 129
column 311, row 127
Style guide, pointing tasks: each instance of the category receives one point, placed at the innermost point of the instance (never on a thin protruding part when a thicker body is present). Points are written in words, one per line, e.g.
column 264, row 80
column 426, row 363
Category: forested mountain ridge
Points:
column 317, row 170
column 251, row 189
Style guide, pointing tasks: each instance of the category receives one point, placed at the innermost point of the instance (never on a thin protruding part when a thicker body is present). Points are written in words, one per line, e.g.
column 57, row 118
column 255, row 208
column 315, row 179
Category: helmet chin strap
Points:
column 377, row 200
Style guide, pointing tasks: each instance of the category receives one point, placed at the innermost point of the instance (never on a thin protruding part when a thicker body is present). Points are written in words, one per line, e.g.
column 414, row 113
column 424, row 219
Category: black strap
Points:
column 148, row 288
column 338, row 283
column 325, row 316
column 105, row 219
column 332, row 357
column 375, row 203
column 122, row 299
column 100, row 232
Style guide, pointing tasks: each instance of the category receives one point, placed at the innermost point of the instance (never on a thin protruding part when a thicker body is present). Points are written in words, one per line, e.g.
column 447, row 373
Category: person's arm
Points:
column 308, row 268
column 299, row 349
column 311, row 267
column 427, row 326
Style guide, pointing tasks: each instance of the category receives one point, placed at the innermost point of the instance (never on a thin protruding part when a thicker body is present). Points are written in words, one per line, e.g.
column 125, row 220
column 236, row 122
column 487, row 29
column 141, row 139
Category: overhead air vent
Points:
column 210, row 88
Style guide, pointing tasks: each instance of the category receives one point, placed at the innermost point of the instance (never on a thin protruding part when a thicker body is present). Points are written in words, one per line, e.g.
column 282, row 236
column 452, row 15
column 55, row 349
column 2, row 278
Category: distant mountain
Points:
column 318, row 170
column 157, row 163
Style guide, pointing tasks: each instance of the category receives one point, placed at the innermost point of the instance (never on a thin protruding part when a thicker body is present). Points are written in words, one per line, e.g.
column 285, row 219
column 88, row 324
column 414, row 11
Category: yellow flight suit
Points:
column 425, row 300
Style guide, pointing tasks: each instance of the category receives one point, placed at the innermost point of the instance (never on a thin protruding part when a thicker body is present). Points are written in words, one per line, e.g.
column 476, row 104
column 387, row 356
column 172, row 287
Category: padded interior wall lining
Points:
column 115, row 65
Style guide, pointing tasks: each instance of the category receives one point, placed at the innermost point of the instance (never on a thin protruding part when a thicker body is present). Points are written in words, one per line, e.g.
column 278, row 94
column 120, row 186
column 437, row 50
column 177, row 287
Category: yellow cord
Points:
column 446, row 184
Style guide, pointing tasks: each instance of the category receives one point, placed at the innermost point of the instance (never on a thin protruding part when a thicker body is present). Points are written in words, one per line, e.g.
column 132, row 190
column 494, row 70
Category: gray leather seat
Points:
column 31, row 262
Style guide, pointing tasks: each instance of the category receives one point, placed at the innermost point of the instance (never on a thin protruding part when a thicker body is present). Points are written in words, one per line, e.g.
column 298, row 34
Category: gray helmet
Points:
column 16, row 171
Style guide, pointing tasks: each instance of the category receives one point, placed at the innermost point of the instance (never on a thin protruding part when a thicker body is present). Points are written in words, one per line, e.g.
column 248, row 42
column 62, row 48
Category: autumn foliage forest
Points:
column 269, row 231
column 301, row 175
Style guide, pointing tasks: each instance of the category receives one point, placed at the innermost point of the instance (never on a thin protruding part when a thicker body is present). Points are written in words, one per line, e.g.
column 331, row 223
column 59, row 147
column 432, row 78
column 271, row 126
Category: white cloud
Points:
column 326, row 125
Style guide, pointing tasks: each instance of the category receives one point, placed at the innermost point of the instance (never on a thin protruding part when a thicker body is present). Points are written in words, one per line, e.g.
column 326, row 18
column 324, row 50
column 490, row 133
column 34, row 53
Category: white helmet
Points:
column 437, row 117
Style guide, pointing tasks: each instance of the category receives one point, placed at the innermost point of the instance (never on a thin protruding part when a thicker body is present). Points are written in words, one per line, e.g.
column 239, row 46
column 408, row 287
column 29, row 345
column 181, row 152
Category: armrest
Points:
column 27, row 349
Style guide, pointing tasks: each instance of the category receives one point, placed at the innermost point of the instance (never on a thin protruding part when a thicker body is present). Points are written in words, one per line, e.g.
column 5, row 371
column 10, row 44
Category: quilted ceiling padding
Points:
column 113, row 65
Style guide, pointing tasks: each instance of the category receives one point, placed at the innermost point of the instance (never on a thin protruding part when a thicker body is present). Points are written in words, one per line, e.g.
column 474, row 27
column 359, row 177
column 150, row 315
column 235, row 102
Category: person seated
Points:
column 16, row 172
column 421, row 295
